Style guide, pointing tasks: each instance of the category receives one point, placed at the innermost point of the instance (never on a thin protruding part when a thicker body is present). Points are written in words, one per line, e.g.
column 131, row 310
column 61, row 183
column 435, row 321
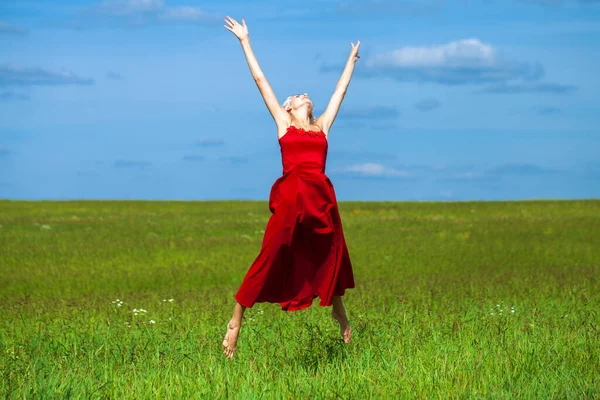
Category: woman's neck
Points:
column 301, row 121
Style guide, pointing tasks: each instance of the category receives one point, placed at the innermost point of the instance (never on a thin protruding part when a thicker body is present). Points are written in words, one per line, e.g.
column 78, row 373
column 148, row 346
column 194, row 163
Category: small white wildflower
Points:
column 512, row 311
column 119, row 305
column 45, row 226
column 164, row 299
column 169, row 318
column 142, row 310
column 171, row 300
column 152, row 321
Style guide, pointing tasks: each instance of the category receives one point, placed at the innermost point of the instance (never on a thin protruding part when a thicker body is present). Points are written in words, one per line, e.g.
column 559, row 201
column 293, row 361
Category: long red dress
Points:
column 303, row 253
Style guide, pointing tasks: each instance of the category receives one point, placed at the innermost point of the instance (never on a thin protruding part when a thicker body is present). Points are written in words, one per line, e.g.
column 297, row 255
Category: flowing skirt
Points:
column 303, row 253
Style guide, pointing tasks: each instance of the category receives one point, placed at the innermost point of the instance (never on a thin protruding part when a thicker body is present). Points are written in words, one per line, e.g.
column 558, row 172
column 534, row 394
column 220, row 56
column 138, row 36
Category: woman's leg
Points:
column 233, row 330
column 339, row 313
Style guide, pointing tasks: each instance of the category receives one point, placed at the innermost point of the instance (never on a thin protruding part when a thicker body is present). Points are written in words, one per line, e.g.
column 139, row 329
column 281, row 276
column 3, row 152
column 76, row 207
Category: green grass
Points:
column 431, row 279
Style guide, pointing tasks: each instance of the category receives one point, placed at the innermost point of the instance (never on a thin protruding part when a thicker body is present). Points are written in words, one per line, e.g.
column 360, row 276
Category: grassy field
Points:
column 129, row 299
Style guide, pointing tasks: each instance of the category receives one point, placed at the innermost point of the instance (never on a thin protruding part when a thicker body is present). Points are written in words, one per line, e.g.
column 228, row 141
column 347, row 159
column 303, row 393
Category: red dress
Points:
column 303, row 253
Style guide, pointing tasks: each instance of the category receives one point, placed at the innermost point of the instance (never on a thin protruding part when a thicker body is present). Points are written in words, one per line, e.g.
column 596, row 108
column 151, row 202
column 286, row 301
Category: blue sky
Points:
column 153, row 99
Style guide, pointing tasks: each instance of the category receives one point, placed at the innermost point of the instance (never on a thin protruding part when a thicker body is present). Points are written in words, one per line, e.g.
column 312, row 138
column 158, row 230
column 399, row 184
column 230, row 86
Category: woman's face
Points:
column 300, row 100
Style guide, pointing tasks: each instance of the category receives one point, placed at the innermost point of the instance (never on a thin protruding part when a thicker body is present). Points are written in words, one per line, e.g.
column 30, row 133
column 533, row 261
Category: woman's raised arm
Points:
column 326, row 119
column 280, row 116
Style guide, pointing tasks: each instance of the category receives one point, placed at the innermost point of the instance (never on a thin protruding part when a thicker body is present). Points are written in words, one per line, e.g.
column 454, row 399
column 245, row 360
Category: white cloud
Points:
column 374, row 170
column 461, row 53
column 460, row 62
column 184, row 13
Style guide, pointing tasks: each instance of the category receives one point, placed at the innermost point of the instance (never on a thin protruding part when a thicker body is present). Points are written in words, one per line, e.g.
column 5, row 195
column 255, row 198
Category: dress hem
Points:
column 320, row 304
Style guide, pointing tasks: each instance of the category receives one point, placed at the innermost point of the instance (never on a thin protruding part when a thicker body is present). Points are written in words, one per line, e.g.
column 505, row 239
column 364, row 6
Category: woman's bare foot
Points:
column 233, row 330
column 345, row 328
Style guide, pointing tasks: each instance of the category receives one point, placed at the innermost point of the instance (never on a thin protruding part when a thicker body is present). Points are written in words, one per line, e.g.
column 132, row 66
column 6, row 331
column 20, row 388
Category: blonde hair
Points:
column 288, row 102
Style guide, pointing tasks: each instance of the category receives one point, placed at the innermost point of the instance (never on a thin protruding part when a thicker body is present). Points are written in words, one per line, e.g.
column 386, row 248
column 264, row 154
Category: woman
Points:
column 303, row 253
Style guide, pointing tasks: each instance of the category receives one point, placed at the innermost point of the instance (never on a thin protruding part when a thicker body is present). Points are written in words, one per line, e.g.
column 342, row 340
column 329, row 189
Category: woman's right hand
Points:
column 240, row 31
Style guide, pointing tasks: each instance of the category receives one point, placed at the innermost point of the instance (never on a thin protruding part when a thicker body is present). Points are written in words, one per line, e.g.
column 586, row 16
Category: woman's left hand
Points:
column 354, row 52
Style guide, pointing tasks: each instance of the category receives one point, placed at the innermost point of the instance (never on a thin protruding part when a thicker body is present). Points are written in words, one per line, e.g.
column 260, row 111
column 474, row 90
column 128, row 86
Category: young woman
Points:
column 303, row 253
